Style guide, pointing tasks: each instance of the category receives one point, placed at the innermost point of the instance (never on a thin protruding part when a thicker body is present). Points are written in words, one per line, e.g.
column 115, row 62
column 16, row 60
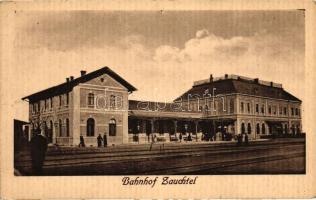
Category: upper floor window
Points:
column 274, row 110
column 60, row 100
column 36, row 107
column 262, row 108
column 90, row 99
column 45, row 104
column 269, row 110
column 51, row 102
column 285, row 110
column 31, row 107
column 292, row 111
column 281, row 111
column 297, row 112
column 248, row 107
column 231, row 105
column 67, row 98
column 112, row 101
column 257, row 108
column 242, row 107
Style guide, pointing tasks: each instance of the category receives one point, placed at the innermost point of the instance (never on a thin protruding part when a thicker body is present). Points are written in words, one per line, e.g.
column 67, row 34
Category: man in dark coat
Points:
column 246, row 140
column 81, row 144
column 38, row 151
column 105, row 141
column 99, row 139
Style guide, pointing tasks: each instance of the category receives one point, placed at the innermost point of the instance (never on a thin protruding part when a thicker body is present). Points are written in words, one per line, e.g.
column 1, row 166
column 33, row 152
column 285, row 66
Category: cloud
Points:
column 164, row 72
column 202, row 33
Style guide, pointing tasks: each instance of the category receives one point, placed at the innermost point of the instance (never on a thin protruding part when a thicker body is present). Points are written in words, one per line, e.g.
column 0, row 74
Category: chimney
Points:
column 71, row 78
column 83, row 72
column 67, row 80
column 211, row 78
column 226, row 76
column 256, row 80
column 271, row 84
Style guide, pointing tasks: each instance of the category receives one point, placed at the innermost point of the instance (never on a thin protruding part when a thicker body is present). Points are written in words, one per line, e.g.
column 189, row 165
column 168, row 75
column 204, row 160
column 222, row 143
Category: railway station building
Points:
column 217, row 108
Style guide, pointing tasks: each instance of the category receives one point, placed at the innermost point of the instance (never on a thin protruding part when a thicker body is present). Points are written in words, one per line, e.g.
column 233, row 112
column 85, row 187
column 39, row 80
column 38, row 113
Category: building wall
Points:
column 103, row 110
column 252, row 110
column 56, row 109
column 77, row 111
column 266, row 109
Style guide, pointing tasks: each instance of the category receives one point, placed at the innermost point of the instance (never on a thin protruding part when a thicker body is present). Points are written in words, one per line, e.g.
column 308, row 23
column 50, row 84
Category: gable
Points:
column 105, row 80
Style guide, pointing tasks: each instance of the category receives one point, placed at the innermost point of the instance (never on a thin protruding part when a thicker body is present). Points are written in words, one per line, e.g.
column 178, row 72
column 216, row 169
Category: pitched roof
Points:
column 241, row 86
column 67, row 86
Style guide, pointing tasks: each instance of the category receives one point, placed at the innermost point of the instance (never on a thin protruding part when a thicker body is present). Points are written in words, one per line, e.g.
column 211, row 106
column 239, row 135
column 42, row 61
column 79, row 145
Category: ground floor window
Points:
column 90, row 127
column 67, row 127
column 258, row 129
column 263, row 129
column 60, row 128
column 112, row 127
column 243, row 131
column 249, row 128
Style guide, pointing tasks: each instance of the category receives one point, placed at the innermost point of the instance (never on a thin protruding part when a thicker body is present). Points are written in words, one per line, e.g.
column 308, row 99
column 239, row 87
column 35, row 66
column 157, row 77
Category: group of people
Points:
column 242, row 138
column 100, row 141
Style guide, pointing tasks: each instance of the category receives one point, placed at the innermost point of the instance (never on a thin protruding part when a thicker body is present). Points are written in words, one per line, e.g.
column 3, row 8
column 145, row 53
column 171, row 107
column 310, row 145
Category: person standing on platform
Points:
column 246, row 139
column 239, row 139
column 99, row 139
column 38, row 151
column 81, row 144
column 105, row 141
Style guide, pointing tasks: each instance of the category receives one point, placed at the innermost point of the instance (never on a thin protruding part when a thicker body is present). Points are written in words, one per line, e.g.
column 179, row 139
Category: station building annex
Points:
column 217, row 108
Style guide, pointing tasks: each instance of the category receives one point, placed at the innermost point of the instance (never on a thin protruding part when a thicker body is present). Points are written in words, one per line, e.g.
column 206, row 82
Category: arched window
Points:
column 90, row 99
column 67, row 127
column 60, row 128
column 90, row 127
column 243, row 131
column 50, row 132
column 263, row 129
column 258, row 129
column 249, row 128
column 293, row 129
column 112, row 127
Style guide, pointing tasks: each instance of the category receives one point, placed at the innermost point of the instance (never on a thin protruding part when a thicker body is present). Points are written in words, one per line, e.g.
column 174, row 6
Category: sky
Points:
column 161, row 53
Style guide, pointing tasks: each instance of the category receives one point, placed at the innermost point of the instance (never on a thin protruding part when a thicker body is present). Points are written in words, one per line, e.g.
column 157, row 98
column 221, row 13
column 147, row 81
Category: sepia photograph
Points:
column 164, row 92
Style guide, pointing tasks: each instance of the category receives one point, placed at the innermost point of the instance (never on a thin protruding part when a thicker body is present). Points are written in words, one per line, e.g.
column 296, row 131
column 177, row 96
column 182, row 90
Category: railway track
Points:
column 143, row 161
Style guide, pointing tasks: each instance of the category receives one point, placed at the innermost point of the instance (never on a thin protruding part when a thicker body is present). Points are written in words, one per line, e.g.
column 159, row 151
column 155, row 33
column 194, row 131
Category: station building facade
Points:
column 213, row 109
